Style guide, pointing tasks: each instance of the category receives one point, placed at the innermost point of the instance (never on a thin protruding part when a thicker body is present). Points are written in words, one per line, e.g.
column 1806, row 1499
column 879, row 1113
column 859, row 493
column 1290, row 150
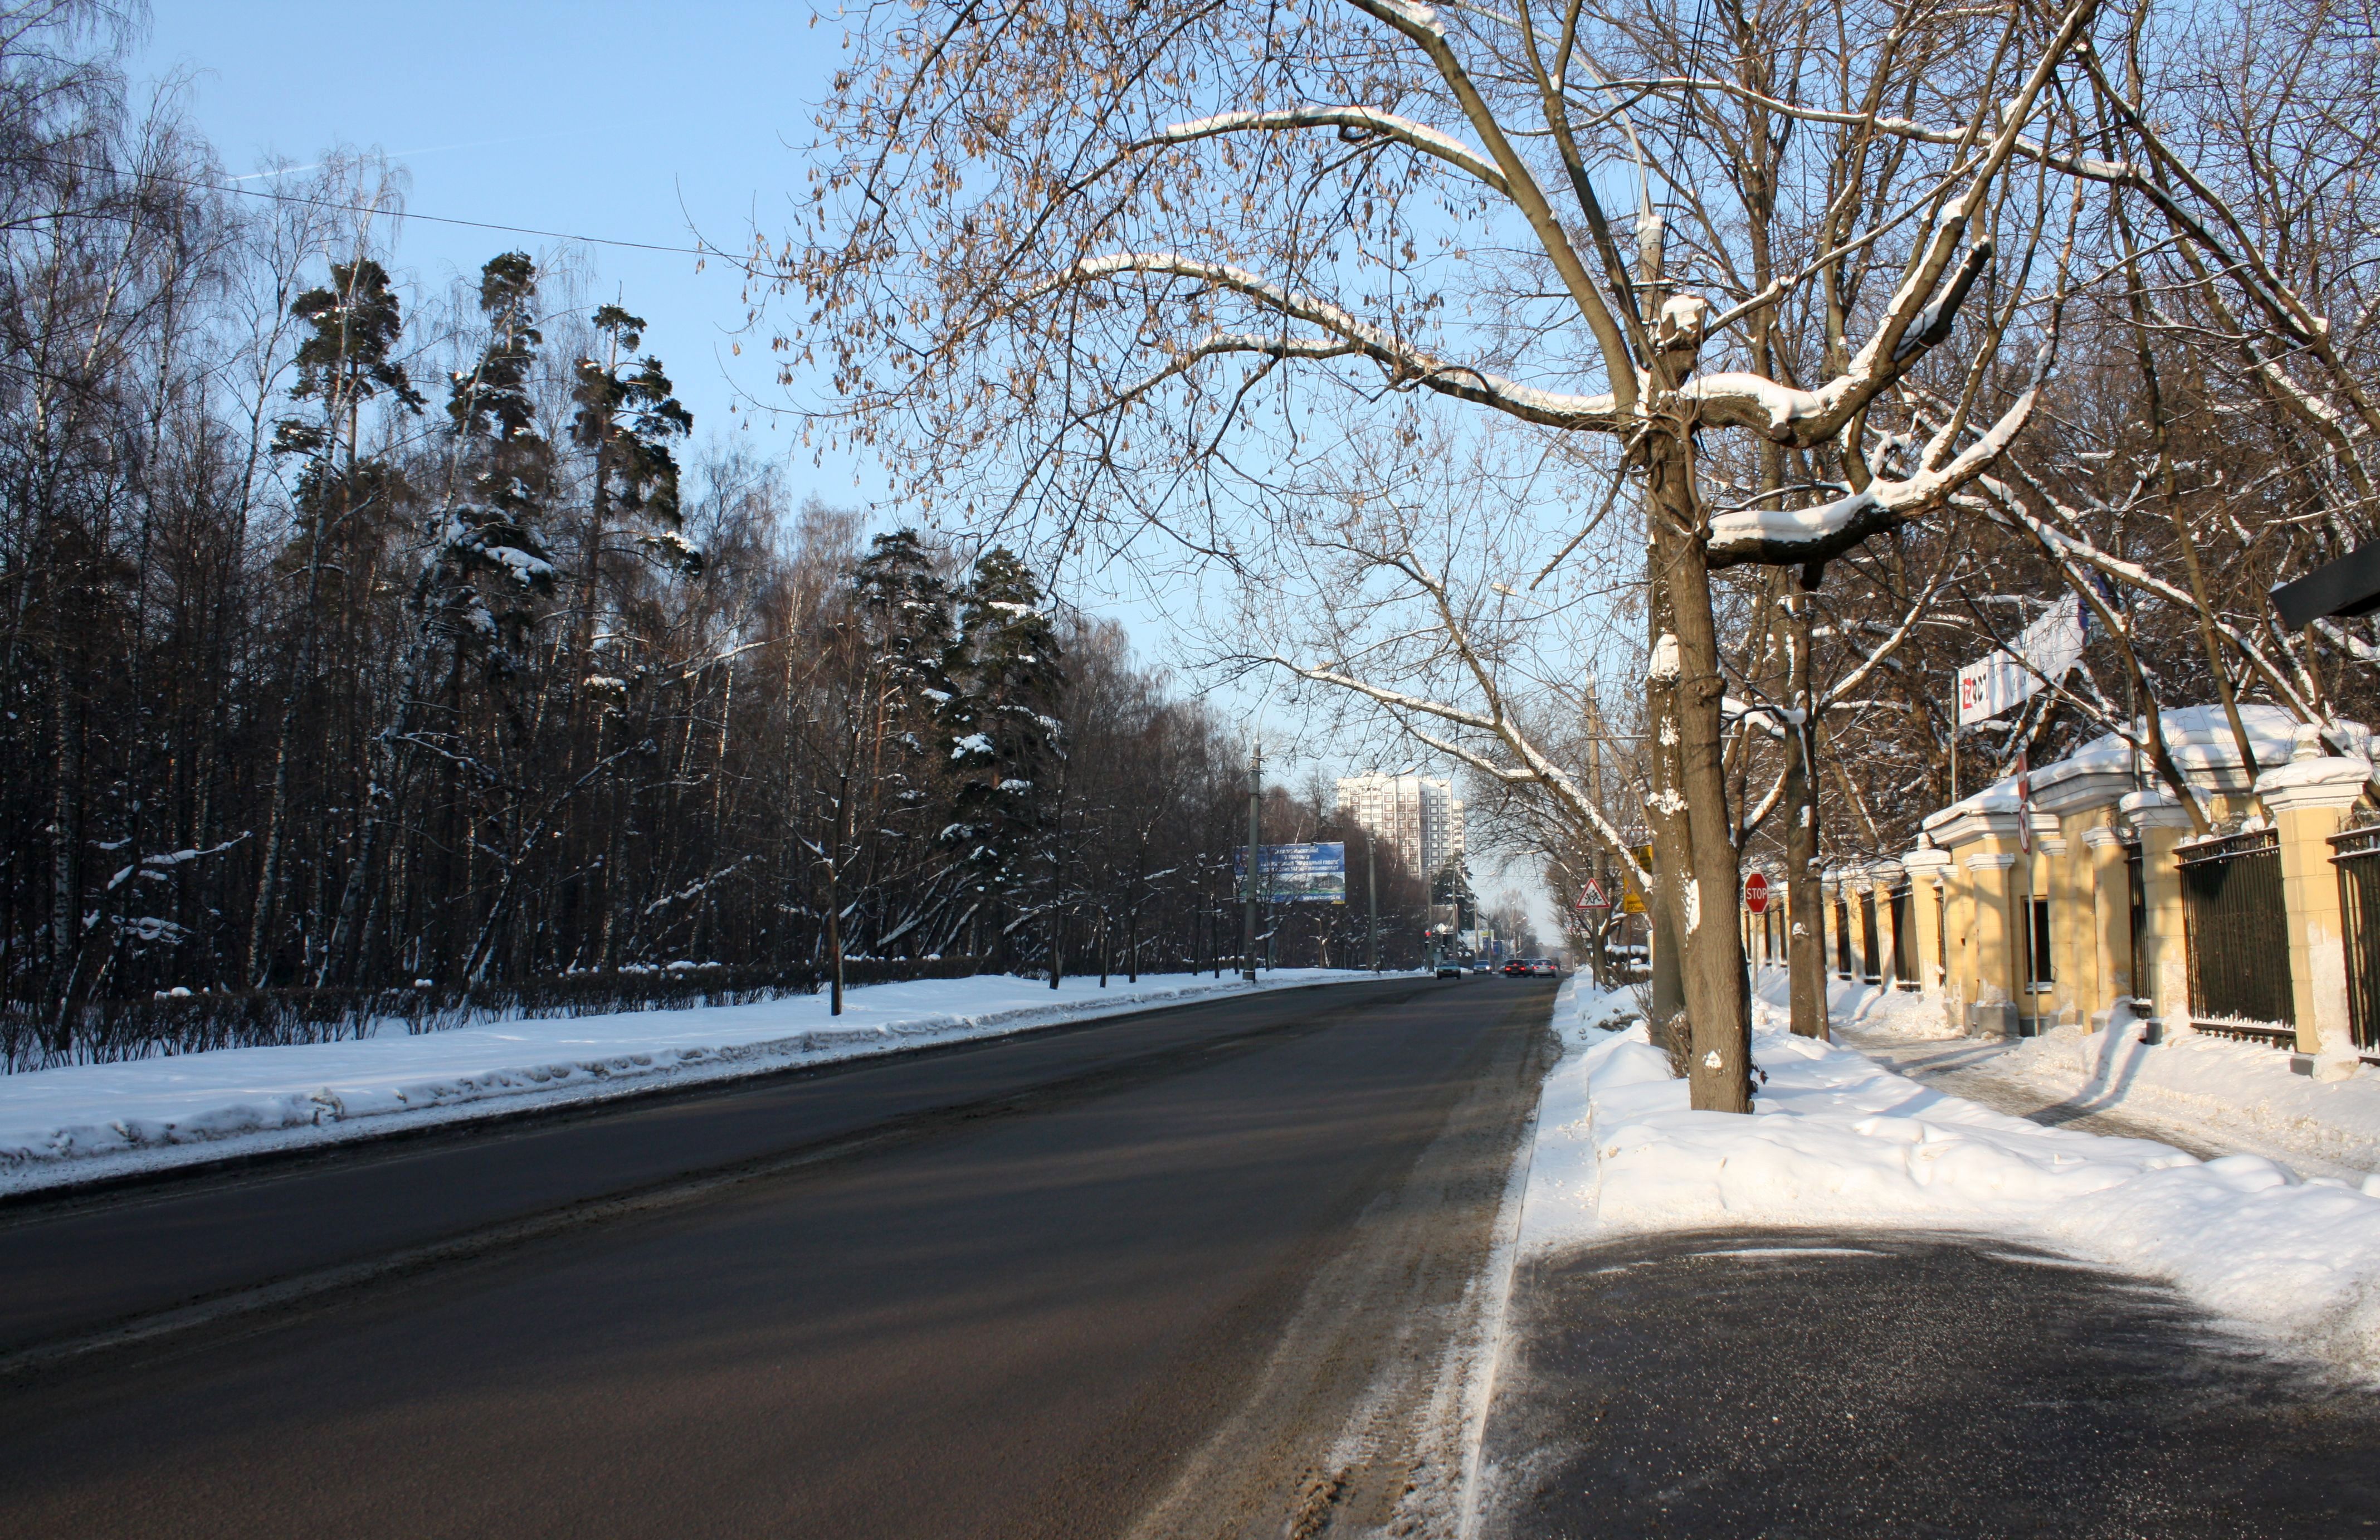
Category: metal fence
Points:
column 1843, row 938
column 1869, row 959
column 2237, row 929
column 2356, row 855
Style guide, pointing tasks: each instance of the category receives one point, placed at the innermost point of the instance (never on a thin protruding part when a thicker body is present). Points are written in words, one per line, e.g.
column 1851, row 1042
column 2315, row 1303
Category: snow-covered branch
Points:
column 1404, row 362
column 1367, row 121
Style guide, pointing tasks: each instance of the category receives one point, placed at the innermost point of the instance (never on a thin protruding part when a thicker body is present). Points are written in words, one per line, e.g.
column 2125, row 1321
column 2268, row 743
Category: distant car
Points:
column 1517, row 968
column 1544, row 967
column 1450, row 970
column 1479, row 966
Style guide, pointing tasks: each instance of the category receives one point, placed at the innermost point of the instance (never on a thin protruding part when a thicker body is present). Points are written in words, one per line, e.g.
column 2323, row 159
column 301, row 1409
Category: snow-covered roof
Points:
column 2198, row 736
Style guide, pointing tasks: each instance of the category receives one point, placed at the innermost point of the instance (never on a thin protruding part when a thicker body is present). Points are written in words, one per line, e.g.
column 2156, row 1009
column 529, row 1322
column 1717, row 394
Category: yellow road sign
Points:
column 1632, row 900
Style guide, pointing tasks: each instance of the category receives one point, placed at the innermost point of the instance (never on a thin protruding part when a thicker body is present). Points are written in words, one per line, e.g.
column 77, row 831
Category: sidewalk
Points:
column 1840, row 1142
column 2209, row 1095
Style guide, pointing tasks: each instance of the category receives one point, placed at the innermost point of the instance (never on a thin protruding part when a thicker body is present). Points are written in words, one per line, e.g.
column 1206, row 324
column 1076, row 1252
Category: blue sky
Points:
column 639, row 122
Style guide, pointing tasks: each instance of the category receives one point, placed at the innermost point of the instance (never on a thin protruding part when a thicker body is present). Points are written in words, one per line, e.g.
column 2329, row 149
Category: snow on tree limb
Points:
column 1403, row 361
column 1788, row 536
column 1368, row 120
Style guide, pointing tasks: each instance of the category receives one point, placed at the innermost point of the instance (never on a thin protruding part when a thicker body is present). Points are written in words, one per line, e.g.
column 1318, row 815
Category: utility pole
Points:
column 1256, row 811
column 1372, row 882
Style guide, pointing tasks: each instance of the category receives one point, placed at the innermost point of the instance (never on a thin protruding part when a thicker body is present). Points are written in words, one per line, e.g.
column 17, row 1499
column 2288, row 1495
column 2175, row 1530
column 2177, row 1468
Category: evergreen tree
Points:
column 1005, row 740
column 496, row 550
column 352, row 328
column 904, row 609
column 343, row 360
column 626, row 417
column 471, row 596
column 907, row 607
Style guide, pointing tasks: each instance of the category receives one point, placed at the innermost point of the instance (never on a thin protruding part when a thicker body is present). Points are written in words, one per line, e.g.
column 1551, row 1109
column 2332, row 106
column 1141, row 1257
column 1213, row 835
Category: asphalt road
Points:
column 1205, row 1270
column 1793, row 1386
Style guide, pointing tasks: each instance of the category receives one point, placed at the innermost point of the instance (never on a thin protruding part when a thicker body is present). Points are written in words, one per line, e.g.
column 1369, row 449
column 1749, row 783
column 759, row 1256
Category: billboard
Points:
column 1296, row 874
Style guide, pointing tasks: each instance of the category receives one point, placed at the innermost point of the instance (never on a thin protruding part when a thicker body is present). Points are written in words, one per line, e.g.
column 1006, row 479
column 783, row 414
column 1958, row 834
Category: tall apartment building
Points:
column 1418, row 816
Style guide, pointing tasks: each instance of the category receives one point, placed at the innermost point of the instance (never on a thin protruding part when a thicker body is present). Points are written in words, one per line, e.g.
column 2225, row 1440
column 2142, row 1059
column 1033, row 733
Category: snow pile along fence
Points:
column 183, row 1021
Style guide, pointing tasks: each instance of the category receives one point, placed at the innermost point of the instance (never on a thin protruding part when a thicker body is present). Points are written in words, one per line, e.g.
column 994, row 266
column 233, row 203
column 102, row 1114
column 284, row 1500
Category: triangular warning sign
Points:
column 1593, row 897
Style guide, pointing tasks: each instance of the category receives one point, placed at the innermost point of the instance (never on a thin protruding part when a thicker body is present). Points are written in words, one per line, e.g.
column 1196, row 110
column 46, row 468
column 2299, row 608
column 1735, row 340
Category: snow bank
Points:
column 1840, row 1142
column 1880, row 1007
column 2211, row 1082
column 86, row 1121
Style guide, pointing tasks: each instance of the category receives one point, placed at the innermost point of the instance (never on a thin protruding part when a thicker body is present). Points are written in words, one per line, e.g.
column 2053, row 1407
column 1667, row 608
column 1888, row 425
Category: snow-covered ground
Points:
column 1841, row 1143
column 89, row 1121
column 2218, row 1091
column 2210, row 1084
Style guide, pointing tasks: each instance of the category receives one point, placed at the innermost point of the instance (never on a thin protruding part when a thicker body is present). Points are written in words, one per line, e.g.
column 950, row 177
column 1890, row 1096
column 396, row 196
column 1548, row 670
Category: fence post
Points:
column 2305, row 798
column 2161, row 974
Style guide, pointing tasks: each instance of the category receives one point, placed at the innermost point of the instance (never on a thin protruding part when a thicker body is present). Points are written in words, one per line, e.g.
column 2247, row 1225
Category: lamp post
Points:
column 1256, row 811
column 1372, row 886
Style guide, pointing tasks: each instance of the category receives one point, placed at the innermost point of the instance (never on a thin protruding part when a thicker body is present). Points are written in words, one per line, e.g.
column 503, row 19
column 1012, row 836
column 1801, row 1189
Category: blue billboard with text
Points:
column 1312, row 873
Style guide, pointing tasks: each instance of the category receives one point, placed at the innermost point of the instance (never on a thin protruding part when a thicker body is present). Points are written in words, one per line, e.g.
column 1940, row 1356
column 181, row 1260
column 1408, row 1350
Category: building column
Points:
column 1994, row 938
column 2053, row 1006
column 1857, row 900
column 2161, row 975
column 1925, row 866
column 1830, row 893
column 2110, row 891
column 2307, row 798
column 1959, row 925
column 1886, row 876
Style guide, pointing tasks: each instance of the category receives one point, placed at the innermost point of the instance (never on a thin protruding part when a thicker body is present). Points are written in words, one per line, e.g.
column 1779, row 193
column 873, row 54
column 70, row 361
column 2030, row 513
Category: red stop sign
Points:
column 1755, row 893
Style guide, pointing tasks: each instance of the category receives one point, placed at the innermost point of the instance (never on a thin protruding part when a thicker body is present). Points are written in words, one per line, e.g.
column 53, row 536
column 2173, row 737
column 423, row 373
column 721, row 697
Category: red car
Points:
column 1517, row 968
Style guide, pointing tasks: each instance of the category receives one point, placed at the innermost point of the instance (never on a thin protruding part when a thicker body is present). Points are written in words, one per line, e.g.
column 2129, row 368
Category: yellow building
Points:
column 2111, row 907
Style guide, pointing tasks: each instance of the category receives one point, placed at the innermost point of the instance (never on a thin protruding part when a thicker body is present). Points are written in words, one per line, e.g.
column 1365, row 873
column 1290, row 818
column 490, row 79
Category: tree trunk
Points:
column 1805, row 941
column 387, row 759
column 1691, row 829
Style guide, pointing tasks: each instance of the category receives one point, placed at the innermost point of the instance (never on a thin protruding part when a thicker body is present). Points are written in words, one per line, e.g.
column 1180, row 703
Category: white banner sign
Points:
column 2048, row 650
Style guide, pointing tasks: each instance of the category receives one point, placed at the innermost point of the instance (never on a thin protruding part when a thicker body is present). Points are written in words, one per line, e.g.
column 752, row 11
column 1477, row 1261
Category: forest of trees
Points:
column 353, row 638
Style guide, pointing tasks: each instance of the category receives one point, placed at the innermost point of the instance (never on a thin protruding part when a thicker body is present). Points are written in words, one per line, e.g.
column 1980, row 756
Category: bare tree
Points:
column 1091, row 265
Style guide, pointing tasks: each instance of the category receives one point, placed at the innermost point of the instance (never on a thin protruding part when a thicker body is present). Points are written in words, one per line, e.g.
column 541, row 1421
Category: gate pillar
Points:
column 2161, row 974
column 2306, row 797
column 2111, row 924
column 1995, row 1010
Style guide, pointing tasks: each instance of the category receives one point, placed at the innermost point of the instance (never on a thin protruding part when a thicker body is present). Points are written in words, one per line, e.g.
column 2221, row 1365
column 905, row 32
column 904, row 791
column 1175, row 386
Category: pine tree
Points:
column 905, row 614
column 626, row 417
column 344, row 360
column 497, row 555
column 471, row 596
column 625, row 421
column 1005, row 737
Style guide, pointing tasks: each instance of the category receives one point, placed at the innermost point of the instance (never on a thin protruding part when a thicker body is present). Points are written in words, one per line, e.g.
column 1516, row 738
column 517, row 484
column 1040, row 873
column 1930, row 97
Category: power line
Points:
column 477, row 225
column 374, row 209
column 438, row 219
